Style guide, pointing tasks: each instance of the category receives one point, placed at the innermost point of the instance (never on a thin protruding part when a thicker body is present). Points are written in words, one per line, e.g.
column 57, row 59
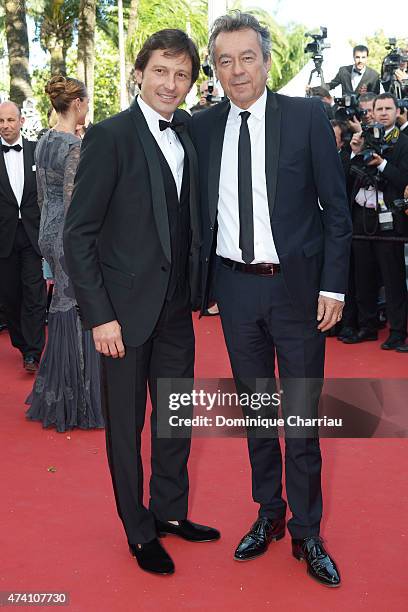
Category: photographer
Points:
column 379, row 182
column 394, row 74
column 357, row 78
column 402, row 119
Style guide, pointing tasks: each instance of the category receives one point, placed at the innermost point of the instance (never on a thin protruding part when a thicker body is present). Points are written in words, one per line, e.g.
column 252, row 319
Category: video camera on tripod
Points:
column 316, row 48
column 390, row 64
column 209, row 73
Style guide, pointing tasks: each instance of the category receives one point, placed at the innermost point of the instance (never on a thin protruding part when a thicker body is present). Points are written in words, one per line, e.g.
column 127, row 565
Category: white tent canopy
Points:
column 334, row 57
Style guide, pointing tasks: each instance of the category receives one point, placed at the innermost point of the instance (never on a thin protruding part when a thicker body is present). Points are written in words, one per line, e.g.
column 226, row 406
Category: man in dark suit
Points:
column 357, row 78
column 130, row 229
column 22, row 287
column 264, row 161
column 369, row 203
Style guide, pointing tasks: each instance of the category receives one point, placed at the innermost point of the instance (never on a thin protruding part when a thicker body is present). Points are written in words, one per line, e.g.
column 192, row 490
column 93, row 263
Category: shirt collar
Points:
column 18, row 141
column 152, row 117
column 389, row 130
column 257, row 109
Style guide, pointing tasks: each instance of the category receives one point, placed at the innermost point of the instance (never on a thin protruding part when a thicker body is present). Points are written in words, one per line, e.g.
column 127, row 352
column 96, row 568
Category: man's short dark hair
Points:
column 386, row 96
column 320, row 91
column 344, row 128
column 367, row 97
column 174, row 42
column 235, row 21
column 361, row 49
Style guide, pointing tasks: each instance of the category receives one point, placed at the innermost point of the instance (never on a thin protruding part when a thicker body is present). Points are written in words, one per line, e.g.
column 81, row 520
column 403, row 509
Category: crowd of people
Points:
column 156, row 212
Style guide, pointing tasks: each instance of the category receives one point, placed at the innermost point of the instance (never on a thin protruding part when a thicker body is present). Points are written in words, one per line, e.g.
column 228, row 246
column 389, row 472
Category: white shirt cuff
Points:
column 335, row 296
column 382, row 165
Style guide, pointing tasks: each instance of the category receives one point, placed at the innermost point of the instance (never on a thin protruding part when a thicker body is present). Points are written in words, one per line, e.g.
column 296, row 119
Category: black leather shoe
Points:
column 362, row 336
column 319, row 564
column 3, row 326
column 188, row 531
column 257, row 540
column 30, row 364
column 393, row 342
column 346, row 332
column 402, row 349
column 152, row 557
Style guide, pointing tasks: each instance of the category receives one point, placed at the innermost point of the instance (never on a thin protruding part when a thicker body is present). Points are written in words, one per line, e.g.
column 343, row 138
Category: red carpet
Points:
column 60, row 532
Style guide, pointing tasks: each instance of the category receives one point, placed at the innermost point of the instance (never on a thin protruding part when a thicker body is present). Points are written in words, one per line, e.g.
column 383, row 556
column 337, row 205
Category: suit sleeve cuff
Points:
column 335, row 296
column 381, row 167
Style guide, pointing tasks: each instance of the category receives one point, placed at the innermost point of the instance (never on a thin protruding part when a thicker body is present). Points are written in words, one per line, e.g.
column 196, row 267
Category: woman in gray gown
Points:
column 66, row 391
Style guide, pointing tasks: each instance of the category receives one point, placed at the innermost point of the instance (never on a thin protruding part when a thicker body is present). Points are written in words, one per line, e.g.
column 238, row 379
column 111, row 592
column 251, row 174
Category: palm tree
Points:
column 18, row 50
column 55, row 23
column 86, row 47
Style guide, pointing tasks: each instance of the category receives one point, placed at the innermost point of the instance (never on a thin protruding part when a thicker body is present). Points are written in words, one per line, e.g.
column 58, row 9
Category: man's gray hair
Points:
column 237, row 20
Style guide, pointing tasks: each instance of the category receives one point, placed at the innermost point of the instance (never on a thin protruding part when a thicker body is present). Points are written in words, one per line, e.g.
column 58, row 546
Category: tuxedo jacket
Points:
column 116, row 235
column 302, row 166
column 370, row 78
column 30, row 212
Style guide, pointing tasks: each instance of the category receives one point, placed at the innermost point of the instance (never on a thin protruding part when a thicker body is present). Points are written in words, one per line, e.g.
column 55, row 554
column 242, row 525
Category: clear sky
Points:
column 344, row 19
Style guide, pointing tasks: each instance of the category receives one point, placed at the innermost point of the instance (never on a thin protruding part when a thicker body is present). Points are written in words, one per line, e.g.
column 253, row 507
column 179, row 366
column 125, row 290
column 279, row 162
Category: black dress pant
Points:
column 389, row 257
column 258, row 320
column 23, row 295
column 168, row 353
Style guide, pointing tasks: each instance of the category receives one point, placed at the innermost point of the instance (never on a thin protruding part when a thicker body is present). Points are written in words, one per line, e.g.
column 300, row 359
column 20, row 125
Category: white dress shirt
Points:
column 356, row 77
column 14, row 161
column 228, row 209
column 167, row 140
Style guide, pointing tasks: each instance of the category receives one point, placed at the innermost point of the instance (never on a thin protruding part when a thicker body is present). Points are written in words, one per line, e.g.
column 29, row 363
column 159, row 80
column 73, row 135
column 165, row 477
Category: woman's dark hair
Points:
column 62, row 90
column 174, row 42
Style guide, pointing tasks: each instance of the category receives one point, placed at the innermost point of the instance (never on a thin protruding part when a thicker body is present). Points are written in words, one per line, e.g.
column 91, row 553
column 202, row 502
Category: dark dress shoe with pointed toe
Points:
column 402, row 349
column 319, row 563
column 256, row 541
column 394, row 341
column 363, row 335
column 193, row 532
column 152, row 557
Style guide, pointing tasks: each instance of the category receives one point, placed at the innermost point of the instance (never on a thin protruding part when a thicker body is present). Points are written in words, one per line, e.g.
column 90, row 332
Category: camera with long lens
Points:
column 403, row 104
column 374, row 142
column 348, row 107
column 318, row 45
column 209, row 73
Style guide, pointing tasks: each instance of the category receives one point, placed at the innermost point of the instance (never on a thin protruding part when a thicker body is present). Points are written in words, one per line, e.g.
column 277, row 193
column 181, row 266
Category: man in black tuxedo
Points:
column 131, row 226
column 357, row 78
column 22, row 287
column 369, row 202
column 264, row 161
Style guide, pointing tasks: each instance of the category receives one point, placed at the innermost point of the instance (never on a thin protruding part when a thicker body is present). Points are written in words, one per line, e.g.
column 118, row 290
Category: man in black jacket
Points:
column 371, row 206
column 280, row 261
column 22, row 287
column 357, row 78
column 130, row 229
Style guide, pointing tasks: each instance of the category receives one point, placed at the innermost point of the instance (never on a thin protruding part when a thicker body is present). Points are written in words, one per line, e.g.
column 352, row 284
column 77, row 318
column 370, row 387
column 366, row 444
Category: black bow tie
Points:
column 174, row 125
column 16, row 147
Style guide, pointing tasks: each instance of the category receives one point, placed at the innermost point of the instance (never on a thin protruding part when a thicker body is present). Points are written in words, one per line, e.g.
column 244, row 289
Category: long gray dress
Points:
column 66, row 391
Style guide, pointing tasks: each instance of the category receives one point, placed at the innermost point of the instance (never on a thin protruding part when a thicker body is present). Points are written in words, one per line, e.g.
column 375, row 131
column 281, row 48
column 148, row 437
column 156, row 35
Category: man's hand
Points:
column 329, row 312
column 108, row 339
column 357, row 143
column 354, row 125
column 376, row 161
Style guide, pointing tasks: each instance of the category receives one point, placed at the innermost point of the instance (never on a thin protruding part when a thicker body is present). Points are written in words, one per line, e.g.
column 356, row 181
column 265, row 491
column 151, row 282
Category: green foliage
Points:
column 377, row 48
column 38, row 81
column 106, row 88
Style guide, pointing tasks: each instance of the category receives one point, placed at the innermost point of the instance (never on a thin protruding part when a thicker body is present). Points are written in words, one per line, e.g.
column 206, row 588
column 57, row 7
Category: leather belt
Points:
column 261, row 269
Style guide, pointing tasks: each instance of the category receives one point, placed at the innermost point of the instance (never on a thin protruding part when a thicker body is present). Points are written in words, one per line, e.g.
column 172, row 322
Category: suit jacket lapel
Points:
column 349, row 83
column 193, row 162
column 28, row 167
column 156, row 178
column 5, row 182
column 272, row 145
column 214, row 164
